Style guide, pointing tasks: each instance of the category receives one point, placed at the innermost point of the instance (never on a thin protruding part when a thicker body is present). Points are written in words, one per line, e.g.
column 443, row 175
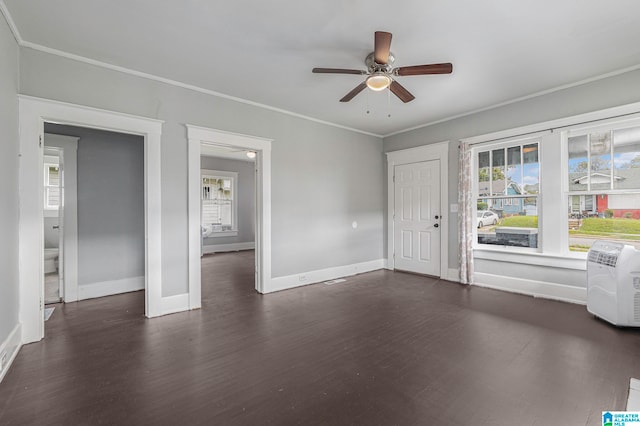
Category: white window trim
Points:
column 233, row 232
column 555, row 254
column 490, row 146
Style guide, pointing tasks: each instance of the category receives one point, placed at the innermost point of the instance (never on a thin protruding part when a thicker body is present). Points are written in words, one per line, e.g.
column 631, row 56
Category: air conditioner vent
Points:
column 603, row 258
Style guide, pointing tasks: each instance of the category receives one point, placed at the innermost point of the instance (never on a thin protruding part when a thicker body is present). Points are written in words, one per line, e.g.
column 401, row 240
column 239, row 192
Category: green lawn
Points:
column 617, row 225
column 624, row 229
column 520, row 221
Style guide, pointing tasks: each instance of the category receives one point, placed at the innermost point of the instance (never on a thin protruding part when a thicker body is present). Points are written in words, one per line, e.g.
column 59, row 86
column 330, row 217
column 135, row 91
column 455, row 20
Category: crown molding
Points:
column 520, row 99
column 21, row 42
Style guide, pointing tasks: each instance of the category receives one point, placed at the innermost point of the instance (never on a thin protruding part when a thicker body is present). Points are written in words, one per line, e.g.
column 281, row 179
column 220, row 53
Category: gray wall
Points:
column 601, row 94
column 110, row 204
column 246, row 197
column 9, row 177
column 323, row 177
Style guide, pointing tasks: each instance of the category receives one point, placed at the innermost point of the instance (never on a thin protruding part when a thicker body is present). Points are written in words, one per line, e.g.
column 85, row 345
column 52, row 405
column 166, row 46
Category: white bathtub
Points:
column 50, row 260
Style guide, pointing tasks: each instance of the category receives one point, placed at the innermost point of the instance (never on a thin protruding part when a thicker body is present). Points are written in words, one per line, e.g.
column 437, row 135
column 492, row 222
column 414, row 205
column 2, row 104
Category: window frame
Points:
column 51, row 161
column 610, row 124
column 220, row 174
column 490, row 146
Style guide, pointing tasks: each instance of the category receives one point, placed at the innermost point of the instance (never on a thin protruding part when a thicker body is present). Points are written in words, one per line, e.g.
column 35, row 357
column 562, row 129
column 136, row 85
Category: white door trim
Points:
column 33, row 113
column 201, row 135
column 69, row 228
column 436, row 151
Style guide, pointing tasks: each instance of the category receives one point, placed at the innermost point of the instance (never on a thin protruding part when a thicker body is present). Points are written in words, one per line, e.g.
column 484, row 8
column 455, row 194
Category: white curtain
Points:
column 466, row 221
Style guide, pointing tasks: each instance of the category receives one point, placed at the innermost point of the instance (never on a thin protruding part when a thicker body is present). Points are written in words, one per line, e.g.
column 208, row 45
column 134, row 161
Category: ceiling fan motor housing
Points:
column 373, row 66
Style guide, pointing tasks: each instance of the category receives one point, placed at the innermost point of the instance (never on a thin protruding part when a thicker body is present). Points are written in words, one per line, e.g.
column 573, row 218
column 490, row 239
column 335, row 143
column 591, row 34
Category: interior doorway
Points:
column 200, row 137
column 98, row 218
column 33, row 113
column 228, row 219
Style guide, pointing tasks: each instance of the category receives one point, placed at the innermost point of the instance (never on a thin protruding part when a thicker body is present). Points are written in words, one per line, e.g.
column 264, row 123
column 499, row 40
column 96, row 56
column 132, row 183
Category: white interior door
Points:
column 417, row 217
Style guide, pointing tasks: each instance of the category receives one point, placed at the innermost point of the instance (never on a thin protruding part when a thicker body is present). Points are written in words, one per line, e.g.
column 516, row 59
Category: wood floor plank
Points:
column 381, row 348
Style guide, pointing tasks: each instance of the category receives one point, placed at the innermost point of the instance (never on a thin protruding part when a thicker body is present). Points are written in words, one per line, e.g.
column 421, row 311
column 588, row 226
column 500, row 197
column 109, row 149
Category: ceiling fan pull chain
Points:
column 368, row 102
column 388, row 102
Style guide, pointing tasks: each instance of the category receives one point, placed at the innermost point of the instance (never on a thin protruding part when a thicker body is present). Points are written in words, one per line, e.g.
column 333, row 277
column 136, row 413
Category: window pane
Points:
column 497, row 172
column 217, row 203
column 614, row 218
column 626, row 158
column 513, row 222
column 483, row 173
column 600, row 145
column 514, row 166
column 53, row 196
column 578, row 163
column 531, row 169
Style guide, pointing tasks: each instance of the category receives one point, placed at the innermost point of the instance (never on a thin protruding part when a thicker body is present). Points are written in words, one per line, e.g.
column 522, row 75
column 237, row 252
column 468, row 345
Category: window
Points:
column 51, row 186
column 603, row 178
column 508, row 188
column 219, row 203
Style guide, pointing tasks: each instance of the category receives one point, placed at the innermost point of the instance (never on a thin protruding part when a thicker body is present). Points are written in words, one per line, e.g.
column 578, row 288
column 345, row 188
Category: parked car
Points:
column 486, row 218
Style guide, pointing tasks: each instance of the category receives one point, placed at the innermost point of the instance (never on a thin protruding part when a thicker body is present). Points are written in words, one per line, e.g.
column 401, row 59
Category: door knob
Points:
column 436, row 225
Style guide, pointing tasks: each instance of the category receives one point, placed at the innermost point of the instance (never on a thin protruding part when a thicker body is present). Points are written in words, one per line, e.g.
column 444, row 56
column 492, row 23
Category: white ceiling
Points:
column 263, row 51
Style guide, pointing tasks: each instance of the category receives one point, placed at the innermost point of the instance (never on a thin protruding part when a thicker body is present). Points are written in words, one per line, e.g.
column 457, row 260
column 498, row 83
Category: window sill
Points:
column 223, row 234
column 577, row 262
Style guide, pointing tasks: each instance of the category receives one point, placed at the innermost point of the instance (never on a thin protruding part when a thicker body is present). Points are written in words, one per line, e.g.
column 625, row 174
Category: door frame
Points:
column 69, row 229
column 33, row 113
column 201, row 135
column 436, row 151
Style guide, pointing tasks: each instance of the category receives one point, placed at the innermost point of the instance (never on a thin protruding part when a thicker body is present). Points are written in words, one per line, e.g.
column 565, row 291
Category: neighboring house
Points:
column 507, row 206
column 595, row 205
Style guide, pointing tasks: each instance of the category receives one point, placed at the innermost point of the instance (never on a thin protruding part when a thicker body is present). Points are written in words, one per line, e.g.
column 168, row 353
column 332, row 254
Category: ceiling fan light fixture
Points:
column 378, row 81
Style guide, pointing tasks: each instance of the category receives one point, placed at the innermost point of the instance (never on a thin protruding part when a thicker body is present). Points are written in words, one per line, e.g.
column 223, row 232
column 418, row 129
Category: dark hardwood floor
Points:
column 382, row 348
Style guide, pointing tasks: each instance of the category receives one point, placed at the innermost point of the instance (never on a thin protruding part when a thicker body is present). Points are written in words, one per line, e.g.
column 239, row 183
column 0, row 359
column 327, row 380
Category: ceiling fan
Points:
column 380, row 72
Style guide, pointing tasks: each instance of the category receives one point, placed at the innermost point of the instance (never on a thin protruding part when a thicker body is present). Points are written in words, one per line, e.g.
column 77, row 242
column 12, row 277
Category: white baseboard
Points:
column 108, row 288
column 173, row 304
column 219, row 248
column 546, row 290
column 453, row 274
column 386, row 264
column 312, row 277
column 11, row 346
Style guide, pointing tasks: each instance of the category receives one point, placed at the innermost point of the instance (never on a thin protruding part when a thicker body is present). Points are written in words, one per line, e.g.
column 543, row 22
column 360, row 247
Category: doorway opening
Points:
column 99, row 218
column 203, row 140
column 228, row 219
column 33, row 113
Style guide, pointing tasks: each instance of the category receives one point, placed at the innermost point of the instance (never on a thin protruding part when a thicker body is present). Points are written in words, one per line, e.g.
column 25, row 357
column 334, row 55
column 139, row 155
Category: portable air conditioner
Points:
column 613, row 283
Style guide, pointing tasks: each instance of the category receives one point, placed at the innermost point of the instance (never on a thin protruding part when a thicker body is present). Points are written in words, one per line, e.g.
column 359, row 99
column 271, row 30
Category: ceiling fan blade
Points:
column 402, row 93
column 382, row 47
column 337, row 71
column 445, row 68
column 359, row 88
